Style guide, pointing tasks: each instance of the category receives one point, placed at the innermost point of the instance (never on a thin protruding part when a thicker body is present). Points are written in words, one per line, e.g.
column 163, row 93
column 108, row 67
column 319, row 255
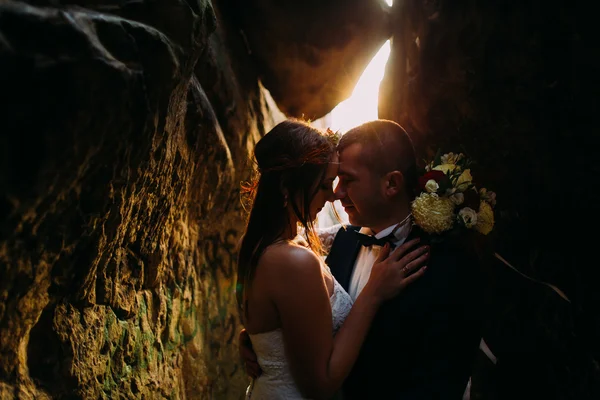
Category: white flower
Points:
column 468, row 217
column 451, row 158
column 457, row 198
column 432, row 186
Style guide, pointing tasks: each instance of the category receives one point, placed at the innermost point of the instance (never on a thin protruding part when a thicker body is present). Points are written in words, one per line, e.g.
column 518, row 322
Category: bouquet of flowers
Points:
column 449, row 201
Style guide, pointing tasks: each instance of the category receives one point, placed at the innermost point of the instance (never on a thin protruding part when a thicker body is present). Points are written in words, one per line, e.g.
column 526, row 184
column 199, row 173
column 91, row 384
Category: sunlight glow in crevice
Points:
column 362, row 104
column 359, row 108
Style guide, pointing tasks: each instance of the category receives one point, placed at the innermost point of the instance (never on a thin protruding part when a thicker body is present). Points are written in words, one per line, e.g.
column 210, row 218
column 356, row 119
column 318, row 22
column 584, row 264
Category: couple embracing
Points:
column 388, row 314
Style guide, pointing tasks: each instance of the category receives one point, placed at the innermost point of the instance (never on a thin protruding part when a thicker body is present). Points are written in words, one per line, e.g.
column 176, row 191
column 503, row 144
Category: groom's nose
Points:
column 340, row 191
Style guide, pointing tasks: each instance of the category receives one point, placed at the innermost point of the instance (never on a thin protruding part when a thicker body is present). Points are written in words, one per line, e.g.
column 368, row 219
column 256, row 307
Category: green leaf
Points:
column 438, row 157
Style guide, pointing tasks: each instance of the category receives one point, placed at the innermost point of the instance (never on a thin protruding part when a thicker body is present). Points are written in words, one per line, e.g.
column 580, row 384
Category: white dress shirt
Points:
column 367, row 255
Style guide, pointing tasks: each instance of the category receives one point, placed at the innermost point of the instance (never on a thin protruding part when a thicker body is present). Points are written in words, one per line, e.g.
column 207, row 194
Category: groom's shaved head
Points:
column 385, row 147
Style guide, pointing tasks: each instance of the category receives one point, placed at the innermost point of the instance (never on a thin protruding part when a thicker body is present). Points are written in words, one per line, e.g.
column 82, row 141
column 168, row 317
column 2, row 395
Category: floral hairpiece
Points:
column 449, row 200
column 333, row 136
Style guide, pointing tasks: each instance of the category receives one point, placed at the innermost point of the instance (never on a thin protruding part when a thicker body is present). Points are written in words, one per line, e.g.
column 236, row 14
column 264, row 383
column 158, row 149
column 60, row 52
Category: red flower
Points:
column 434, row 174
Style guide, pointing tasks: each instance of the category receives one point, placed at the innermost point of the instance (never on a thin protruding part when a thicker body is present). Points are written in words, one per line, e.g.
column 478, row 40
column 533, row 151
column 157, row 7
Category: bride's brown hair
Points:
column 292, row 159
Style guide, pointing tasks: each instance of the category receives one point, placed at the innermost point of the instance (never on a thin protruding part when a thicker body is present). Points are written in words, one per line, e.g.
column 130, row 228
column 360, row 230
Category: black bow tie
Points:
column 369, row 240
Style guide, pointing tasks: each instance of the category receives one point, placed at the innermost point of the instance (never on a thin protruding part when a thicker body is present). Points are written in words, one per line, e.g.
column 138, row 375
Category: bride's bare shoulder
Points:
column 289, row 258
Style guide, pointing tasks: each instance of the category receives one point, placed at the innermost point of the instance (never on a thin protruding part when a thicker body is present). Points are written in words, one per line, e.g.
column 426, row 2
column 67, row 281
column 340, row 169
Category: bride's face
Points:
column 325, row 188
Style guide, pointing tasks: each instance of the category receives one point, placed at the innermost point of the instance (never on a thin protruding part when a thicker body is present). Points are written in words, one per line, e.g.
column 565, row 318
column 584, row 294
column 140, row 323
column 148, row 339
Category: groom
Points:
column 421, row 344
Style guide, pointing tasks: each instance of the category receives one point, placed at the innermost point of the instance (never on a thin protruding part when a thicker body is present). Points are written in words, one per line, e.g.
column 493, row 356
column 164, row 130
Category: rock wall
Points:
column 126, row 130
column 513, row 85
column 311, row 53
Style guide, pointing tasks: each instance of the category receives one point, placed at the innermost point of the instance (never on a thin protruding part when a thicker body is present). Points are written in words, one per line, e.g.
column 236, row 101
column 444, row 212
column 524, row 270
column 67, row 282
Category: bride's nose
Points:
column 339, row 192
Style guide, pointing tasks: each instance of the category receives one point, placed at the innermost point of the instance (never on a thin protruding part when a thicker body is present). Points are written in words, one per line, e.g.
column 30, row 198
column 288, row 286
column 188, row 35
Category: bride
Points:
column 303, row 326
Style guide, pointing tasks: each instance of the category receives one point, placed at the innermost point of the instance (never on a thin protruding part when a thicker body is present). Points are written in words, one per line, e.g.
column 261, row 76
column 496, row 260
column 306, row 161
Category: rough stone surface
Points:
column 125, row 136
column 310, row 54
column 512, row 84
column 127, row 128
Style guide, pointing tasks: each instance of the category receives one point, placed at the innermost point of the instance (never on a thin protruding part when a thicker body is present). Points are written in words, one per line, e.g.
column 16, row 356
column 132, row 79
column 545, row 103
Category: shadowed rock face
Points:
column 311, row 53
column 119, row 206
column 512, row 85
column 126, row 130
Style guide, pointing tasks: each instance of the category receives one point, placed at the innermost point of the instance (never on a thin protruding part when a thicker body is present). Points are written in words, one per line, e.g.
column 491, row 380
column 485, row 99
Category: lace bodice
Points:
column 327, row 235
column 276, row 381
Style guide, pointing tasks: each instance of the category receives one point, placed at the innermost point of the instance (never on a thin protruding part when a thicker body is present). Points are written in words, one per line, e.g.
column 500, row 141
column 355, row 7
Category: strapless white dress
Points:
column 276, row 381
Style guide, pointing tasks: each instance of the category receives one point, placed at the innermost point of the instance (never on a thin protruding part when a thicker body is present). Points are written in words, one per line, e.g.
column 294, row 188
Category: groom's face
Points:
column 359, row 188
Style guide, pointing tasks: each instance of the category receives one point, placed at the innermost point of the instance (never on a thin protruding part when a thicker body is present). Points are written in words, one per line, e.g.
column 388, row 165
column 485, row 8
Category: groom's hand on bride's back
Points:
column 248, row 356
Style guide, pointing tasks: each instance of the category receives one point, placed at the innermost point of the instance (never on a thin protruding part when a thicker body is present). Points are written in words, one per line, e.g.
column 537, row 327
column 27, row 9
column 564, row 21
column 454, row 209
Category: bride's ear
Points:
column 394, row 183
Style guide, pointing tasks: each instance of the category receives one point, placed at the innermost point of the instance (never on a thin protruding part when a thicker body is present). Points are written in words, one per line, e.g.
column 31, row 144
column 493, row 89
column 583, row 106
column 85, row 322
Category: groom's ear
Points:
column 394, row 182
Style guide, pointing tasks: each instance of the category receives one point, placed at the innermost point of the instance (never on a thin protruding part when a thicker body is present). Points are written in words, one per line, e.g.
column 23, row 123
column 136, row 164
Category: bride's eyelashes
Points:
column 327, row 185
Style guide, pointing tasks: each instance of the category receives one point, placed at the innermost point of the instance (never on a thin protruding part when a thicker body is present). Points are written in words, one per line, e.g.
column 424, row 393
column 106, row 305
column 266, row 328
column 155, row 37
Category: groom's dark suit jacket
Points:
column 422, row 343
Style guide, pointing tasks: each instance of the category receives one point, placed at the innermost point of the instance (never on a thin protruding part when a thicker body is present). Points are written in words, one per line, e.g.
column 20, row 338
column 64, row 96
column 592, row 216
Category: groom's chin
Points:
column 352, row 219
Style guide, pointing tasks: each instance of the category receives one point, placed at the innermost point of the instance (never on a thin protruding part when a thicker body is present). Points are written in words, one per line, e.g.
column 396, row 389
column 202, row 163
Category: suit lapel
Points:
column 345, row 248
column 343, row 254
column 417, row 232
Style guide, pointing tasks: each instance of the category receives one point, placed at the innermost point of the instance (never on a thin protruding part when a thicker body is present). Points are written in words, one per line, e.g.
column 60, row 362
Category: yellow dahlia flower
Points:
column 433, row 213
column 485, row 218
